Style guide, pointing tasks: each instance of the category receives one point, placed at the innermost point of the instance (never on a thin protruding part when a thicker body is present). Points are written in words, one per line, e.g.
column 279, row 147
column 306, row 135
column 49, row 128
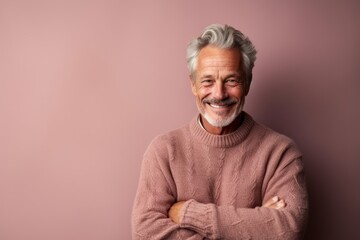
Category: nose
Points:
column 219, row 91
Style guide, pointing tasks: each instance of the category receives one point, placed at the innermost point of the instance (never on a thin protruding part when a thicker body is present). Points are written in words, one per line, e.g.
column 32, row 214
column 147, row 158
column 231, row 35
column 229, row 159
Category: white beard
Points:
column 221, row 122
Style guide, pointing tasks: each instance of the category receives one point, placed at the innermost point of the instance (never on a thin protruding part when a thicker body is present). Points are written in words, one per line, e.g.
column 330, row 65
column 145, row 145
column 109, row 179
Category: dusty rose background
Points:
column 86, row 85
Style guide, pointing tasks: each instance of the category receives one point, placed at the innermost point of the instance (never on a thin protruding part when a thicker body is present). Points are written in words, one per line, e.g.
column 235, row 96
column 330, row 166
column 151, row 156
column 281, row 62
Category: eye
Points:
column 206, row 82
column 232, row 82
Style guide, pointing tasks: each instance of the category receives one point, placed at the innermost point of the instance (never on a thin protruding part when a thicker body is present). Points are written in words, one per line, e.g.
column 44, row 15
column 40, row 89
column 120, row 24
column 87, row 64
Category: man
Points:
column 223, row 176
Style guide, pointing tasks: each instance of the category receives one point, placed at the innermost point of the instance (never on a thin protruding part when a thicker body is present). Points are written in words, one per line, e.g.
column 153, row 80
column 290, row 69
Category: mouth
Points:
column 220, row 106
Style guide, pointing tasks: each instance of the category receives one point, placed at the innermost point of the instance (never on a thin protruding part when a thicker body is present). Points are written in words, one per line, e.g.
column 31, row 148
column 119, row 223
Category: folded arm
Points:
column 175, row 210
column 156, row 196
column 273, row 220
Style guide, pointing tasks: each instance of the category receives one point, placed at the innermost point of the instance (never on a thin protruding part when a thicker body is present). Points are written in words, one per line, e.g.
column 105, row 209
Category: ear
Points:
column 192, row 85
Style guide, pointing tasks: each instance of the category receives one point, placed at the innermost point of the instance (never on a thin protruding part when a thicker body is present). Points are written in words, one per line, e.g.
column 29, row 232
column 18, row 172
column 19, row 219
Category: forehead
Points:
column 214, row 58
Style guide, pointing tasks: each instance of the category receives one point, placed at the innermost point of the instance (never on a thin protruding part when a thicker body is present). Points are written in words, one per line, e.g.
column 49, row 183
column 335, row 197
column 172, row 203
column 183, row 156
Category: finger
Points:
column 174, row 211
column 271, row 201
column 280, row 204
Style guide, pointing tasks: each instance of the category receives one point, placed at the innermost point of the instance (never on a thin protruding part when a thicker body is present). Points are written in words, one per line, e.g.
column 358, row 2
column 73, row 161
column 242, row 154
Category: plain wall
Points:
column 86, row 85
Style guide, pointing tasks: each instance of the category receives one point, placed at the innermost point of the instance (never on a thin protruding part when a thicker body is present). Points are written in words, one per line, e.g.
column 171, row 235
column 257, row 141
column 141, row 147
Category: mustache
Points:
column 227, row 101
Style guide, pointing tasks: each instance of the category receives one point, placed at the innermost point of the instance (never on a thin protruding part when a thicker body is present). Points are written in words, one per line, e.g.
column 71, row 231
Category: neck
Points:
column 222, row 130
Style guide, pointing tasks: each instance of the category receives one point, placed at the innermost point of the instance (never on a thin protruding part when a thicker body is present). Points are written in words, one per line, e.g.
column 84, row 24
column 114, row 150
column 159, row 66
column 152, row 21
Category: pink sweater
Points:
column 224, row 180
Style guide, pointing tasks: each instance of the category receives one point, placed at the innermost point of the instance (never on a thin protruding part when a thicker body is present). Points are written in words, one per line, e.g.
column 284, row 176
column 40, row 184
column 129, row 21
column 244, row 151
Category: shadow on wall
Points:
column 288, row 103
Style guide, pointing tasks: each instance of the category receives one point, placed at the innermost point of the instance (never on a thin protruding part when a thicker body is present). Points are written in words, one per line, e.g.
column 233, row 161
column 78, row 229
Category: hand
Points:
column 274, row 202
column 174, row 212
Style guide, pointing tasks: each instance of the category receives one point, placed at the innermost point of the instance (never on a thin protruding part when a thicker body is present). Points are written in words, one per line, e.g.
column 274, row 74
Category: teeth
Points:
column 217, row 106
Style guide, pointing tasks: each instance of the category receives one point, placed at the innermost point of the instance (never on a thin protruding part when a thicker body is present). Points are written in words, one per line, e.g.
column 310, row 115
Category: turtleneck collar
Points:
column 227, row 140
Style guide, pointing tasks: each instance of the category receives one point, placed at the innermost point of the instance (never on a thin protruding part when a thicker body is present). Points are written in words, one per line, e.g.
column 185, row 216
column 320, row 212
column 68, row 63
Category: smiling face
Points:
column 219, row 86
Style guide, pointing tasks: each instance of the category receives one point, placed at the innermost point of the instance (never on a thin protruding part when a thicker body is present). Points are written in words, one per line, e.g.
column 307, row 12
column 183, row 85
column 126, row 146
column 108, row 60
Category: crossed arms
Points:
column 175, row 210
column 159, row 214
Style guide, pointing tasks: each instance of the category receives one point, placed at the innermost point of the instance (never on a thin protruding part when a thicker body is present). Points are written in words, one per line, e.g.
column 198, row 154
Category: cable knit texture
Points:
column 224, row 180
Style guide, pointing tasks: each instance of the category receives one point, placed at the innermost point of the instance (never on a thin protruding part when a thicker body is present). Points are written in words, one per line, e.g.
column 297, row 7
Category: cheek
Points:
column 238, row 93
column 203, row 93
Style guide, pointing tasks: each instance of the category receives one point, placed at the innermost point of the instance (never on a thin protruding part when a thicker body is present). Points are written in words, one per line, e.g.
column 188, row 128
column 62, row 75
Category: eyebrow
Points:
column 237, row 75
column 206, row 76
column 233, row 75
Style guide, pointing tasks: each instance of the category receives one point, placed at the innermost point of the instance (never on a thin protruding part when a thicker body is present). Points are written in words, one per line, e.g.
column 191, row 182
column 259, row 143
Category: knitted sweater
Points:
column 224, row 180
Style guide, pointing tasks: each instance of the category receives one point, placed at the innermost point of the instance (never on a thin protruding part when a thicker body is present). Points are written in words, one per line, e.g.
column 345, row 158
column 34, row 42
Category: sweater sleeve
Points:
column 228, row 222
column 155, row 195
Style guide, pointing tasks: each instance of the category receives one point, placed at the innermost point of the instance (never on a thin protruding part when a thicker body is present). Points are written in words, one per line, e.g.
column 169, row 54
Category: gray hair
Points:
column 223, row 37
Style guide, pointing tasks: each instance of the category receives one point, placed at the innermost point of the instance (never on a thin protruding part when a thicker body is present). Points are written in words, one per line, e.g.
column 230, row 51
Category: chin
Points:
column 221, row 122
